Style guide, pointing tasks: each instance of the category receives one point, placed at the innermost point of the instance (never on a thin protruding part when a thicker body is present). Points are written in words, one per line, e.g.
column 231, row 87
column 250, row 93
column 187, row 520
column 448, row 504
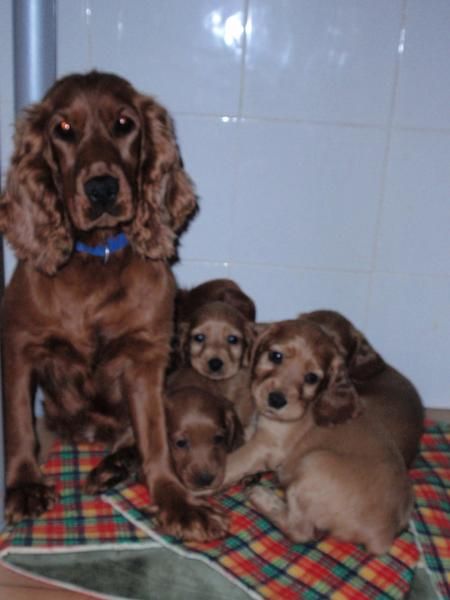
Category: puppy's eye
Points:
column 65, row 131
column 232, row 339
column 275, row 357
column 198, row 337
column 311, row 378
column 182, row 443
column 218, row 439
column 123, row 125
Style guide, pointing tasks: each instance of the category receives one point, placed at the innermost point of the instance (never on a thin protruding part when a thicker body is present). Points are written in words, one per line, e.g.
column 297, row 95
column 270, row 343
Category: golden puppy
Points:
column 341, row 471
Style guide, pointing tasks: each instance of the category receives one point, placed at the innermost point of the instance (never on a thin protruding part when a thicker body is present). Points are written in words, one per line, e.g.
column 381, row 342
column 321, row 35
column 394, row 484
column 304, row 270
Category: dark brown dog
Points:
column 340, row 467
column 95, row 196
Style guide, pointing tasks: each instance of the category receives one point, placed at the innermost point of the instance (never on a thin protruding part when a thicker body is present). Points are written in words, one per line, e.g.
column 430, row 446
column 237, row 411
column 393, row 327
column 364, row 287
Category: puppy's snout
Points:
column 204, row 479
column 215, row 364
column 276, row 400
column 102, row 191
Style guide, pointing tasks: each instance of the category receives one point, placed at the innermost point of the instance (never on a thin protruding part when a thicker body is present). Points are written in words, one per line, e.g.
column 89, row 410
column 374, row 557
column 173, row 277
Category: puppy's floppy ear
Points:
column 250, row 335
column 167, row 197
column 364, row 362
column 32, row 214
column 241, row 302
column 263, row 335
column 183, row 343
column 234, row 429
column 339, row 401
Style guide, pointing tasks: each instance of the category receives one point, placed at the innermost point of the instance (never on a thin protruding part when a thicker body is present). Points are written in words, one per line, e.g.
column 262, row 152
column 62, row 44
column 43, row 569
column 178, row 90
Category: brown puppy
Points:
column 216, row 344
column 393, row 399
column 341, row 470
column 215, row 290
column 202, row 428
column 95, row 196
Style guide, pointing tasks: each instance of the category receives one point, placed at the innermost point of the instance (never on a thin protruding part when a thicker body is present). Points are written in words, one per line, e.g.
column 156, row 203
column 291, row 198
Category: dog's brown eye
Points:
column 64, row 131
column 182, row 443
column 276, row 357
column 311, row 378
column 123, row 125
column 232, row 339
column 198, row 337
column 218, row 439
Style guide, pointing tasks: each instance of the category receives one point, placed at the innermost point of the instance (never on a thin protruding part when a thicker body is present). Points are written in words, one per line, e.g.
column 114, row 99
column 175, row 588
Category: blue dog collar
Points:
column 113, row 244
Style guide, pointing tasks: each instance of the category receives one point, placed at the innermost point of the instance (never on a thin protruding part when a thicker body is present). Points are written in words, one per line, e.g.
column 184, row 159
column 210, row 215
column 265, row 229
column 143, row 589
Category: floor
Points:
column 18, row 587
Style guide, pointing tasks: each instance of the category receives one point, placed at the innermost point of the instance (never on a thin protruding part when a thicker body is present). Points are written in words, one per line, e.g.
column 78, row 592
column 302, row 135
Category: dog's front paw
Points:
column 192, row 520
column 113, row 469
column 28, row 500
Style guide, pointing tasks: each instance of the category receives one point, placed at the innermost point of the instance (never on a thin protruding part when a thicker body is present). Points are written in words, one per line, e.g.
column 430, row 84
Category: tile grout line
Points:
column 386, row 158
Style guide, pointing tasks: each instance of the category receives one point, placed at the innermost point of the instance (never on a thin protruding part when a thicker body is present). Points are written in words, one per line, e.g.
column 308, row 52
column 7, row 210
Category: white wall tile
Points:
column 73, row 36
column 415, row 222
column 209, row 152
column 332, row 60
column 281, row 293
column 423, row 97
column 187, row 53
column 191, row 273
column 307, row 195
column 409, row 324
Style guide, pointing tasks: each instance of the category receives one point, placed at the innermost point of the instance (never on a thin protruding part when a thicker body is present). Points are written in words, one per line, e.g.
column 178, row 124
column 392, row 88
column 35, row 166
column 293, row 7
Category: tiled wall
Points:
column 318, row 133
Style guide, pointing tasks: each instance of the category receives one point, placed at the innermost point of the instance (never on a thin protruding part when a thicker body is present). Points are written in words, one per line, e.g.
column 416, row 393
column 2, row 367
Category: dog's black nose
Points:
column 277, row 400
column 204, row 479
column 215, row 364
column 102, row 191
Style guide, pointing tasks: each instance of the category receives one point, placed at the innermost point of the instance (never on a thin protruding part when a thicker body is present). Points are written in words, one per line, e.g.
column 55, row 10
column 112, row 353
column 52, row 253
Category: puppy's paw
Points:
column 265, row 501
column 28, row 500
column 193, row 520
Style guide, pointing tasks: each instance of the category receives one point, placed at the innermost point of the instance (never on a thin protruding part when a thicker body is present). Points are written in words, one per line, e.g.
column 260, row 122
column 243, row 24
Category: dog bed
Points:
column 109, row 547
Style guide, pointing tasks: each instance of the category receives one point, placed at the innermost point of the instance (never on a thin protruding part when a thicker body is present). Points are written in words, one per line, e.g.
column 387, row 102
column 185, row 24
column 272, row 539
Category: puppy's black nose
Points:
column 215, row 364
column 277, row 400
column 102, row 191
column 204, row 479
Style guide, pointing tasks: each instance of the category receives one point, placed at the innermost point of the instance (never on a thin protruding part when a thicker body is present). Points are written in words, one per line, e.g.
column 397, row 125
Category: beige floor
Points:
column 17, row 587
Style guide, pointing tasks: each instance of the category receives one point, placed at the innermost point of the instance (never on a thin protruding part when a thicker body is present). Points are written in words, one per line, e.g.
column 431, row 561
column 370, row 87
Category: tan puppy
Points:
column 341, row 471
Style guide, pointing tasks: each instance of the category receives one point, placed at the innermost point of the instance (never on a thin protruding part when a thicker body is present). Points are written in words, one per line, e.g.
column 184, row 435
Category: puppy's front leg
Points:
column 286, row 515
column 249, row 459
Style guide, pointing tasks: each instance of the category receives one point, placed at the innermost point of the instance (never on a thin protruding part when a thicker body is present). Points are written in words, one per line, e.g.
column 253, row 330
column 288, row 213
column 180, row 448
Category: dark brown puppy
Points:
column 95, row 196
column 202, row 428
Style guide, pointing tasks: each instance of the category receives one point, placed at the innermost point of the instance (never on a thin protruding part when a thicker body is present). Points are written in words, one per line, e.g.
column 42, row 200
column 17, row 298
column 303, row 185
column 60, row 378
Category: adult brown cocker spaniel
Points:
column 94, row 198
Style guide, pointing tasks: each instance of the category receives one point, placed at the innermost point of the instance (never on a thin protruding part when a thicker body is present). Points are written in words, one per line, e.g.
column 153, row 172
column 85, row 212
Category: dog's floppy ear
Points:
column 241, row 302
column 250, row 335
column 364, row 362
column 338, row 402
column 167, row 197
column 234, row 429
column 32, row 214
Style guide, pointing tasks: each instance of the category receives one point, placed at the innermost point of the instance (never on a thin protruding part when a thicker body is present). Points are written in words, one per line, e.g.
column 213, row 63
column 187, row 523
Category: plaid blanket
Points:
column 255, row 555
